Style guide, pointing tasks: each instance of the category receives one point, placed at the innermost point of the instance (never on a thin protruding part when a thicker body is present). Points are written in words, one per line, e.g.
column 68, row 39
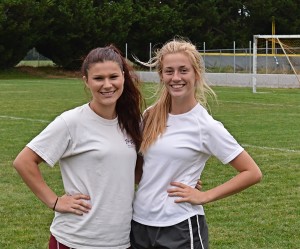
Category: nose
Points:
column 176, row 76
column 107, row 83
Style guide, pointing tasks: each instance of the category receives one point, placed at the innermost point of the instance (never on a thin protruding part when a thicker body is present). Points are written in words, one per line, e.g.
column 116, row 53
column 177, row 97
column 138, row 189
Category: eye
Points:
column 98, row 78
column 113, row 77
column 168, row 71
column 184, row 70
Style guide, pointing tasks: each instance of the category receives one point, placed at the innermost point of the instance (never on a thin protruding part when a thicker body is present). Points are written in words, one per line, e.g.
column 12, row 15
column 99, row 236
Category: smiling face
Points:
column 179, row 77
column 105, row 80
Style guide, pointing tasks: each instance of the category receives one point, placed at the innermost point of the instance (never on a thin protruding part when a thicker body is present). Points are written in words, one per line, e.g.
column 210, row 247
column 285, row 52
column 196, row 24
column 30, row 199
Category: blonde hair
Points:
column 155, row 117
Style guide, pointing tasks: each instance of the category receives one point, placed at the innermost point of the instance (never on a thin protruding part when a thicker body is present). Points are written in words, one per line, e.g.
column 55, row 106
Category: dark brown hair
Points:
column 130, row 103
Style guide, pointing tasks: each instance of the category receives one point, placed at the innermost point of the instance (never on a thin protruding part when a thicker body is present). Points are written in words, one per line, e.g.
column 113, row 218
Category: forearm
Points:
column 235, row 185
column 248, row 175
column 27, row 167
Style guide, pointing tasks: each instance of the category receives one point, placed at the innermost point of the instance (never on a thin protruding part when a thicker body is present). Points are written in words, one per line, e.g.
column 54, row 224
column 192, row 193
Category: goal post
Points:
column 275, row 54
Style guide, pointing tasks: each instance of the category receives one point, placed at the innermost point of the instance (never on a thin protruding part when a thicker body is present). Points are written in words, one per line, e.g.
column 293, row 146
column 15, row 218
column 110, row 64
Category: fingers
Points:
column 181, row 190
column 186, row 193
column 81, row 196
column 182, row 200
column 178, row 184
column 198, row 186
column 76, row 204
column 177, row 192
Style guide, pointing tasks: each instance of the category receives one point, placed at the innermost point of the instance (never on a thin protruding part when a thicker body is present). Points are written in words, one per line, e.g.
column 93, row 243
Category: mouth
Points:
column 107, row 94
column 177, row 86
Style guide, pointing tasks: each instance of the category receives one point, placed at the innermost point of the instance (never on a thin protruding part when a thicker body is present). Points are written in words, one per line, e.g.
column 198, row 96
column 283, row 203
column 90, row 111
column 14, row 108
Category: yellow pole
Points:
column 273, row 33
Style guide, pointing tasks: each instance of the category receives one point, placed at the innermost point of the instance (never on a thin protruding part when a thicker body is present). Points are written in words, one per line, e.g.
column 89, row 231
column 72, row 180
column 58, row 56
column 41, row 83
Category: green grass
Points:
column 265, row 216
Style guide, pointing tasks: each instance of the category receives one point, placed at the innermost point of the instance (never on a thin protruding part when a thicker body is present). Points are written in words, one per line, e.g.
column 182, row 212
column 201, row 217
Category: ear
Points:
column 85, row 79
column 160, row 77
column 197, row 77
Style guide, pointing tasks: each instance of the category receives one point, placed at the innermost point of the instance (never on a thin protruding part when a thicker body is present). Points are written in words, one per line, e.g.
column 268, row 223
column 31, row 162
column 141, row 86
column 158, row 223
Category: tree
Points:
column 234, row 18
column 286, row 15
column 63, row 34
column 154, row 22
column 114, row 22
column 65, row 31
column 260, row 21
column 16, row 21
column 201, row 20
column 75, row 27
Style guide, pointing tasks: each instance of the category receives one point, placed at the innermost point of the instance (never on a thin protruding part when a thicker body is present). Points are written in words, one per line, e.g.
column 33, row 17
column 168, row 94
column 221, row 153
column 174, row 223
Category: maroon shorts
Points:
column 54, row 244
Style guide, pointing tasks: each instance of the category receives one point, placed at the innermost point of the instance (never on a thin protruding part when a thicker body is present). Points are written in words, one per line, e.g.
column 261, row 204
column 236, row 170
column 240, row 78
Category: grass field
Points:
column 267, row 124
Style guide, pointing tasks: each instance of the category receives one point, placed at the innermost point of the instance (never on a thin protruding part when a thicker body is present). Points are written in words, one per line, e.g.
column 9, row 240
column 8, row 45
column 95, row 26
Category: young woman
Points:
column 179, row 136
column 96, row 146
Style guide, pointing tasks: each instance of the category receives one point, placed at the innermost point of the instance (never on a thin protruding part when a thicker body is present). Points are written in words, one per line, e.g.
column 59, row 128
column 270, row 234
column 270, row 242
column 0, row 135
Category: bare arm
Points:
column 27, row 165
column 248, row 174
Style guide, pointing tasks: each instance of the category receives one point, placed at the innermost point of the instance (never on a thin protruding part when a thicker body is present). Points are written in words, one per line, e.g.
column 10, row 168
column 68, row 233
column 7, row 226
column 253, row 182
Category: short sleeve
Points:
column 217, row 141
column 52, row 142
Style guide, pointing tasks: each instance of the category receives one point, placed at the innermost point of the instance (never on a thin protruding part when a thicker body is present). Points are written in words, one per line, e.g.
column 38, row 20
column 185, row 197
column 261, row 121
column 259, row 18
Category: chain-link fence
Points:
column 235, row 60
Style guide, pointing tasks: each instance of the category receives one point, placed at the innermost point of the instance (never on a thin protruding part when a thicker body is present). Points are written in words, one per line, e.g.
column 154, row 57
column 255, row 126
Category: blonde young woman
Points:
column 179, row 136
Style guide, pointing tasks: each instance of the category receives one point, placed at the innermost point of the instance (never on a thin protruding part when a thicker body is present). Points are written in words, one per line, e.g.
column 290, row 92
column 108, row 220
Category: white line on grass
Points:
column 53, row 81
column 28, row 119
column 271, row 148
column 8, row 82
column 245, row 145
column 255, row 103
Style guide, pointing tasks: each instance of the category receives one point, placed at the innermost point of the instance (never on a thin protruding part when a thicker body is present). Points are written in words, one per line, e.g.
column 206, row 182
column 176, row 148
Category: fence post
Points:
column 266, row 57
column 250, row 61
column 150, row 54
column 204, row 53
column 233, row 56
column 254, row 65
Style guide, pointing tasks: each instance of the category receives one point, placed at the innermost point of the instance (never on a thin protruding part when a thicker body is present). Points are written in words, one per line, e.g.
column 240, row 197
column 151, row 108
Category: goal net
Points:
column 276, row 54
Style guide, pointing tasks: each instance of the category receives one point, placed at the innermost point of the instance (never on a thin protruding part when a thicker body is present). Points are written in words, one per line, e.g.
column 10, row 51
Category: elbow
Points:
column 257, row 176
column 16, row 164
column 19, row 162
column 26, row 159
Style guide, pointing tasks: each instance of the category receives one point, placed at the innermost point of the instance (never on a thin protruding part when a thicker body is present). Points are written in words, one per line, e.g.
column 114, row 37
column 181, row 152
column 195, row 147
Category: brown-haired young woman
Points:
column 96, row 146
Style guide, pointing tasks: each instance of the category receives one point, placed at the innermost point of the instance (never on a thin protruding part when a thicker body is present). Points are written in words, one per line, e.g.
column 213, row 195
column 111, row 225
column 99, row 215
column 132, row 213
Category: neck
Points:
column 180, row 107
column 106, row 113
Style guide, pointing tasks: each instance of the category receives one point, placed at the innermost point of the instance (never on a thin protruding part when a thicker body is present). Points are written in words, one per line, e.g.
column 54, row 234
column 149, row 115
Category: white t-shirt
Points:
column 180, row 155
column 96, row 159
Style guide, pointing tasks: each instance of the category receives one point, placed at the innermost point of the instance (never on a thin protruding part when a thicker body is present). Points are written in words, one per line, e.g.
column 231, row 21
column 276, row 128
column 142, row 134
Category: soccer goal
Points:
column 276, row 54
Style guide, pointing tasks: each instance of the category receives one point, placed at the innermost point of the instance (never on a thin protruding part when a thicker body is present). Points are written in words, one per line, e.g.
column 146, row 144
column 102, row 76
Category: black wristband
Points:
column 55, row 204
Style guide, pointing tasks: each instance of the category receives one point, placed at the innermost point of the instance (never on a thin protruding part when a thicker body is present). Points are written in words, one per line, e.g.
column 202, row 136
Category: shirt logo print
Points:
column 129, row 143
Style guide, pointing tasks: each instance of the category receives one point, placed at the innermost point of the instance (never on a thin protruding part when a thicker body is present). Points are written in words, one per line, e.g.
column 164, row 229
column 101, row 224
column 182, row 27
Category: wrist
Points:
column 207, row 197
column 55, row 203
